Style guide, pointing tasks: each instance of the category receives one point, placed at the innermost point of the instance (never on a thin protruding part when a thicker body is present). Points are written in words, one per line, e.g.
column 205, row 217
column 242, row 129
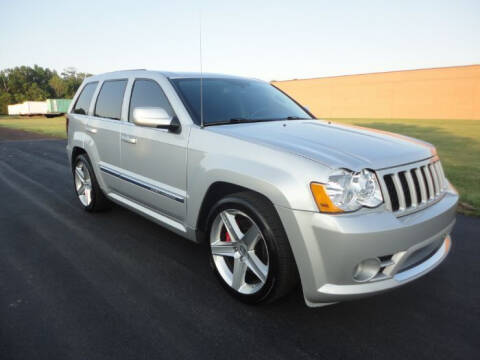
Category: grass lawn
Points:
column 457, row 143
column 38, row 124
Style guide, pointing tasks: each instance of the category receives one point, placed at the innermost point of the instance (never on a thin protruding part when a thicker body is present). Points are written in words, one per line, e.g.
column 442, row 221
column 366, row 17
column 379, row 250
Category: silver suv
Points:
column 278, row 196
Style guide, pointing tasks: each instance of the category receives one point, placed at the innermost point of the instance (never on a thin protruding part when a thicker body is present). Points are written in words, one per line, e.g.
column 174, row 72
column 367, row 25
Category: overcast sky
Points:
column 264, row 39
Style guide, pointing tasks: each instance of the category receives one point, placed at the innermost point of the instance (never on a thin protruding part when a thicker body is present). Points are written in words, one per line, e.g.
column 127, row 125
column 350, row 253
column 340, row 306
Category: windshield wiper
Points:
column 235, row 120
column 242, row 120
column 295, row 118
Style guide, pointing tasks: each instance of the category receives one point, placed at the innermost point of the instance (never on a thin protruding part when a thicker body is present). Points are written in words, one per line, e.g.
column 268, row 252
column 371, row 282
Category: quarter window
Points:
column 83, row 102
column 110, row 99
column 147, row 93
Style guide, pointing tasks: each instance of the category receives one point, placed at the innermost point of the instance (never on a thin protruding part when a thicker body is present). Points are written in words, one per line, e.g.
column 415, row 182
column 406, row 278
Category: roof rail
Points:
column 109, row 72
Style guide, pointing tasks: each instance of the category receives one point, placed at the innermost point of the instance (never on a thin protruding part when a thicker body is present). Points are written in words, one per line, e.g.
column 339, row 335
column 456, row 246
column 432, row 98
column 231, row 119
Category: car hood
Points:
column 334, row 145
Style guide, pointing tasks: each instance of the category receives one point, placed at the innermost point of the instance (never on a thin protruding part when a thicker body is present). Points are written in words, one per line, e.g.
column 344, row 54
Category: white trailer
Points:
column 13, row 109
column 35, row 107
column 17, row 109
column 28, row 108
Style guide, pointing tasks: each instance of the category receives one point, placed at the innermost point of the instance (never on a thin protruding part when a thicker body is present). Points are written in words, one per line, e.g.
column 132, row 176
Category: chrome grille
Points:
column 408, row 188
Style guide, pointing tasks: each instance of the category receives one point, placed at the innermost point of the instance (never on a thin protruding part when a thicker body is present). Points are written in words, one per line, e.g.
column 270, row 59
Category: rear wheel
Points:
column 88, row 191
column 250, row 253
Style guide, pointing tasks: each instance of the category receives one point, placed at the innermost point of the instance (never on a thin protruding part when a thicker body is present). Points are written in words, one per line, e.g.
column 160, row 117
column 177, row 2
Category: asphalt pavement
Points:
column 75, row 285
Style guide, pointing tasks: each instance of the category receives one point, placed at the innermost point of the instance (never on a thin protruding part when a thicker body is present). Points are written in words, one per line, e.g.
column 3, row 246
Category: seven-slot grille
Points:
column 413, row 187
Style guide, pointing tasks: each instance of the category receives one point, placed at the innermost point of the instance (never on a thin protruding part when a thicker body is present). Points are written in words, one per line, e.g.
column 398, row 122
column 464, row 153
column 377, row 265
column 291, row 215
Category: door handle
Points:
column 92, row 130
column 128, row 139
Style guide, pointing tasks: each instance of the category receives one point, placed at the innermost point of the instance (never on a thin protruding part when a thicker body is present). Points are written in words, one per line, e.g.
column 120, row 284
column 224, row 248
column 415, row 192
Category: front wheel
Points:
column 250, row 253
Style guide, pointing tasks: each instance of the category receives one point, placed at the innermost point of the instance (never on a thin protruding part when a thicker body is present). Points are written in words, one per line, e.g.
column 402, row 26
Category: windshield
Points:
column 237, row 100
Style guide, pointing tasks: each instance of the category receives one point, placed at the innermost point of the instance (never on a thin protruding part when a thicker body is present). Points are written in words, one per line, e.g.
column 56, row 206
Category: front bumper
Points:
column 327, row 248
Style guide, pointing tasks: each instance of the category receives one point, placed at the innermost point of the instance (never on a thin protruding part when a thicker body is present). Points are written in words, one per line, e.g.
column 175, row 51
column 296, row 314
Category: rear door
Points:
column 154, row 160
column 104, row 131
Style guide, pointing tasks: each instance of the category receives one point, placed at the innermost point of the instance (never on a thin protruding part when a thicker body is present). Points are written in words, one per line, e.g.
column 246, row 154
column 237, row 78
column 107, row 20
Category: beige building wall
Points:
column 440, row 93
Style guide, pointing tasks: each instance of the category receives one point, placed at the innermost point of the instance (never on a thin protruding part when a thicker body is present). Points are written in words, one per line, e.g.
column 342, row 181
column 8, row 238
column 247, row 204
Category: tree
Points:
column 73, row 80
column 24, row 83
column 35, row 93
column 58, row 85
column 5, row 100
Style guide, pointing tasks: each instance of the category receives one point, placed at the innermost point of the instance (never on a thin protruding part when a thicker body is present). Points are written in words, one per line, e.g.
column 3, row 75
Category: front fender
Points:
column 283, row 178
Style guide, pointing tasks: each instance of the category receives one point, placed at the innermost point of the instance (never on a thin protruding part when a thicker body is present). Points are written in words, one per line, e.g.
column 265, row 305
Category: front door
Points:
column 154, row 160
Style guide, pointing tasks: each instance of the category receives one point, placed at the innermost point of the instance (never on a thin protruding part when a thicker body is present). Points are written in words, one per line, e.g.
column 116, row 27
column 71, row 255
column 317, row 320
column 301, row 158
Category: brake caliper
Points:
column 227, row 237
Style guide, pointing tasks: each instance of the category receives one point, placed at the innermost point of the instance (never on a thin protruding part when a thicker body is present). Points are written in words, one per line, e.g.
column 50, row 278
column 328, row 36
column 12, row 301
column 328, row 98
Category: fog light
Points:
column 366, row 270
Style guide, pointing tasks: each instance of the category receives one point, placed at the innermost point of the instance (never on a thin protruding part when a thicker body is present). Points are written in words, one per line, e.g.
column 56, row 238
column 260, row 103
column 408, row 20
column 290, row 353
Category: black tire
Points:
column 99, row 201
column 282, row 275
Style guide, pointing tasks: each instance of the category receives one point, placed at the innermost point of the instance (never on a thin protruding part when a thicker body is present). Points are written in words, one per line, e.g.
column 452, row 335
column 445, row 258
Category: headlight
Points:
column 347, row 191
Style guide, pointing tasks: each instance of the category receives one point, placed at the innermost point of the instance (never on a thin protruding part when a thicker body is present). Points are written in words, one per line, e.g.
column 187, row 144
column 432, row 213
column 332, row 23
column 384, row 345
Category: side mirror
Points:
column 154, row 117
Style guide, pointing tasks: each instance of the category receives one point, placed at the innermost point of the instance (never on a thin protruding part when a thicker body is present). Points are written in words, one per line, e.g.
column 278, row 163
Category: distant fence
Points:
column 441, row 93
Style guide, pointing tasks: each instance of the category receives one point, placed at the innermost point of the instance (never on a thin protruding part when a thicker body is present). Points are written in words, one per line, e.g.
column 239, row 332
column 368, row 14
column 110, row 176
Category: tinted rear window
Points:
column 83, row 102
column 110, row 99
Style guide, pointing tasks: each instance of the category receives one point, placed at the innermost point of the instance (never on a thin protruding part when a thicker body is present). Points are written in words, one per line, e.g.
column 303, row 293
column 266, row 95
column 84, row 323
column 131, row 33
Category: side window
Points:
column 110, row 98
column 147, row 93
column 83, row 102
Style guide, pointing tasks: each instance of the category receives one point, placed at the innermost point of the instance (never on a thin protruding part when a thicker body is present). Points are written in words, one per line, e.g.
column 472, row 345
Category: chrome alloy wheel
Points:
column 83, row 183
column 239, row 251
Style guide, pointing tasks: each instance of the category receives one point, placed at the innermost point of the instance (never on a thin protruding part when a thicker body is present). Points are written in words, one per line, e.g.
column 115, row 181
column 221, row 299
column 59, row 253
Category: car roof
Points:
column 167, row 74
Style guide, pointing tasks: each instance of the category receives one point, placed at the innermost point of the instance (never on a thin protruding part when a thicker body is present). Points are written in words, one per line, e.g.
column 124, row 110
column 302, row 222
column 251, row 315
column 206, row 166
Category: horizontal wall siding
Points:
column 441, row 93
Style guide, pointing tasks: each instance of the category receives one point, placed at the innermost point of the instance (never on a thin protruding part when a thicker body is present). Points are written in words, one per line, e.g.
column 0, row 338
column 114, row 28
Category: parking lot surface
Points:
column 115, row 286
